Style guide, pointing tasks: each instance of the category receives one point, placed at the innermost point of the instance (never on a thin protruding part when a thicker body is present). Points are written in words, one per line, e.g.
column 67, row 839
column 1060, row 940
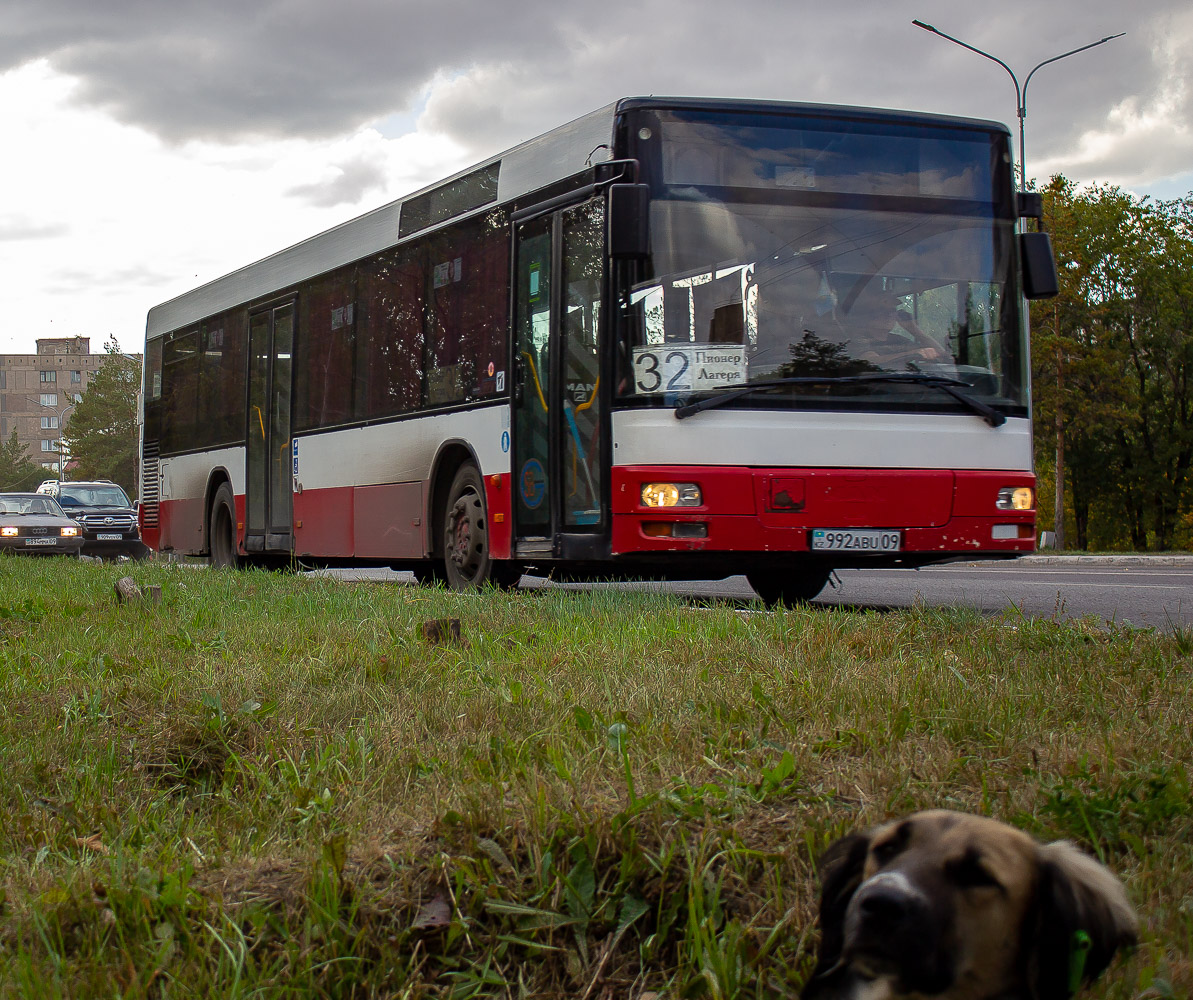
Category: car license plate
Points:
column 41, row 541
column 855, row 540
column 109, row 536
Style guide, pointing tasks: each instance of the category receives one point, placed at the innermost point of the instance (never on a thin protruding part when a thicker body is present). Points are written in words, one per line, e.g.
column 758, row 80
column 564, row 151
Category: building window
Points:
column 49, row 399
column 3, row 380
column 49, row 376
column 48, row 445
column 76, row 377
column 49, row 423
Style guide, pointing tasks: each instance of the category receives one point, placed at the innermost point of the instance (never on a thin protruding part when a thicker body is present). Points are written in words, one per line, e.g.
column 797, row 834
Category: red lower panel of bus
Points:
column 384, row 522
column 775, row 510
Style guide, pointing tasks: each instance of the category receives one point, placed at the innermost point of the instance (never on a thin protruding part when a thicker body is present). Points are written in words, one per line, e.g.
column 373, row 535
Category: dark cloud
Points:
column 354, row 178
column 225, row 70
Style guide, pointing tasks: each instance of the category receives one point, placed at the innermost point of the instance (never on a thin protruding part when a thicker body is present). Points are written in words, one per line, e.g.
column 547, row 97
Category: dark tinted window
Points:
column 326, row 351
column 468, row 274
column 390, row 363
column 222, row 372
column 180, row 385
column 448, row 200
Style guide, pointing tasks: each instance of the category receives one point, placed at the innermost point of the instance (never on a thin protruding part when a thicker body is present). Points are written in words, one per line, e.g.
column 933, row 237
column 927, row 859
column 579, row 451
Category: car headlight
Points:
column 9, row 531
column 1015, row 498
column 71, row 532
column 671, row 495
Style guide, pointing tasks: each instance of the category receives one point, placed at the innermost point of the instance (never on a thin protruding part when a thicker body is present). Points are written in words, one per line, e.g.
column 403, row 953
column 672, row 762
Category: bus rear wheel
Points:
column 466, row 559
column 790, row 586
column 223, row 529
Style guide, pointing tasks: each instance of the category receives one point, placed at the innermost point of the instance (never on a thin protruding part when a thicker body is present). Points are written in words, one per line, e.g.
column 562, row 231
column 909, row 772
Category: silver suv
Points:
column 102, row 509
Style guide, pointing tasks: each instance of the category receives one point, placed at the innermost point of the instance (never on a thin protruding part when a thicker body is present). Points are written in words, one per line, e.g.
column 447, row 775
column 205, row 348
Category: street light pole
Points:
column 61, row 450
column 1058, row 523
column 1020, row 93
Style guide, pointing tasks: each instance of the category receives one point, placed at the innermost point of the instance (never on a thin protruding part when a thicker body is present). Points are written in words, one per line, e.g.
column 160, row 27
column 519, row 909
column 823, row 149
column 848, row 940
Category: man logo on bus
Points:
column 534, row 483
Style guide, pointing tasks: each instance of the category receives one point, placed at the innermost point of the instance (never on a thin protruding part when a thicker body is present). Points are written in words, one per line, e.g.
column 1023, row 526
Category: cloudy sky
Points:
column 151, row 146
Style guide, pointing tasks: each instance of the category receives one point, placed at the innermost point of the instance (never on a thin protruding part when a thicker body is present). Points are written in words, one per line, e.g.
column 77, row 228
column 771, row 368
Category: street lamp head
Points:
column 1020, row 92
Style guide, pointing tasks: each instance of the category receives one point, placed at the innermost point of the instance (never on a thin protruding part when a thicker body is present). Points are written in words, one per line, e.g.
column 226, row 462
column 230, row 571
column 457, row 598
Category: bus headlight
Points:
column 1015, row 498
column 671, row 495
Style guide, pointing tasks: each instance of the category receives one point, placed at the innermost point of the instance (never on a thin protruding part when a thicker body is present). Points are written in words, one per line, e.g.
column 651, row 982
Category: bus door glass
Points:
column 269, row 500
column 557, row 413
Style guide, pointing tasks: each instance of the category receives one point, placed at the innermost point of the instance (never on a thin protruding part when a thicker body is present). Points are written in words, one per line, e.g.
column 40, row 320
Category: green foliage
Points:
column 18, row 471
column 1113, row 359
column 102, row 434
column 1115, row 812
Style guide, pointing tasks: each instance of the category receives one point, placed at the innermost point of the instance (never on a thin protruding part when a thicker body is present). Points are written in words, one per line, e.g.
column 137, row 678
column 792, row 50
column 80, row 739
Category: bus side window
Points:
column 221, row 377
column 180, row 386
column 468, row 271
column 389, row 374
column 325, row 349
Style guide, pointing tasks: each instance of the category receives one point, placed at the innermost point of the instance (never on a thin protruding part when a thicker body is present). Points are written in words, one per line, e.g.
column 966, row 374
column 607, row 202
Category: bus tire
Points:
column 791, row 586
column 222, row 529
column 466, row 558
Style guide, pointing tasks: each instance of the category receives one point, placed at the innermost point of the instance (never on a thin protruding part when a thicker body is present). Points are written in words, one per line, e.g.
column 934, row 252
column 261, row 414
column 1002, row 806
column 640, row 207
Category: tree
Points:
column 1113, row 364
column 18, row 471
column 102, row 434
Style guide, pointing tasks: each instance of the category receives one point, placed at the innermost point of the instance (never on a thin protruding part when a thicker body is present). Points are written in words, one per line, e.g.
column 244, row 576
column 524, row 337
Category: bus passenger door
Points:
column 269, row 491
column 557, row 464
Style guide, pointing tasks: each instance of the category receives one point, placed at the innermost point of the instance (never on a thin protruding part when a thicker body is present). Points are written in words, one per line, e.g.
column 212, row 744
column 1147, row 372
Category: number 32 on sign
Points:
column 688, row 367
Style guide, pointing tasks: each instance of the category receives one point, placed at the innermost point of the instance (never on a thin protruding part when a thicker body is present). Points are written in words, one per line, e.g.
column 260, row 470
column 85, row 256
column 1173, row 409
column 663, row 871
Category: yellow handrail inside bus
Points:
column 537, row 385
column 591, row 399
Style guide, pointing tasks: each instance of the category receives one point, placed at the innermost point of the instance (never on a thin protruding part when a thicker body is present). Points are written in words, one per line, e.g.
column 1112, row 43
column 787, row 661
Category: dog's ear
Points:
column 1083, row 918
column 840, row 870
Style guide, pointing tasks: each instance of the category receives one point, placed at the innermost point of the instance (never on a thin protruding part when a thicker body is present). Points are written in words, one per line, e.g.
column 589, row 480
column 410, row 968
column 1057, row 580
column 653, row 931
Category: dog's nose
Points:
column 889, row 901
column 884, row 905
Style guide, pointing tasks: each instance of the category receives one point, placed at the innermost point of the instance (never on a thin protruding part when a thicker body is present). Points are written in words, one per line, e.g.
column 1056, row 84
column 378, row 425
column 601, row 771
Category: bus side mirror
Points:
column 1039, row 266
column 629, row 221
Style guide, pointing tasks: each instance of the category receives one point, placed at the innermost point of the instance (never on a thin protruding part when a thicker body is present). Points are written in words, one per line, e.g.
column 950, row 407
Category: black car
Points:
column 33, row 524
column 103, row 511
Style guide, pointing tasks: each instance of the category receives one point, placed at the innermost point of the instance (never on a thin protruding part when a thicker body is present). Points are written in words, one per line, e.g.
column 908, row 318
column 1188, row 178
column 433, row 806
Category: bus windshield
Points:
column 816, row 251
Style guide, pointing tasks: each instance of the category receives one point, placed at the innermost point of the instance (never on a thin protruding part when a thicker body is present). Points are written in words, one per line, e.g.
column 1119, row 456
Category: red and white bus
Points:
column 674, row 338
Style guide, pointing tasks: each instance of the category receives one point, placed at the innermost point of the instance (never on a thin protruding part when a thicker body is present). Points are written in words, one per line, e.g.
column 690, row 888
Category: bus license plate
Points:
column 855, row 540
column 41, row 541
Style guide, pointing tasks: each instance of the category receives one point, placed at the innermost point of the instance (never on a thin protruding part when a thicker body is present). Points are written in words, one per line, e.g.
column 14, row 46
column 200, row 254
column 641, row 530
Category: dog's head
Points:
column 949, row 905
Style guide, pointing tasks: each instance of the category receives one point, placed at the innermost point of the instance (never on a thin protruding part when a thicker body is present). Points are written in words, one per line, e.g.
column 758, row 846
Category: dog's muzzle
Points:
column 893, row 929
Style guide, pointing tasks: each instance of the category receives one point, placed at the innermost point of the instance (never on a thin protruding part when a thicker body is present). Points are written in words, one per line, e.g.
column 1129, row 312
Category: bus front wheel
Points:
column 790, row 586
column 466, row 536
column 223, row 529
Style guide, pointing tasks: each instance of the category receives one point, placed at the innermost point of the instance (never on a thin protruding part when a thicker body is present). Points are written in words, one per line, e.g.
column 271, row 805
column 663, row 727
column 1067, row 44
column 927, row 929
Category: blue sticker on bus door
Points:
column 532, row 483
column 294, row 451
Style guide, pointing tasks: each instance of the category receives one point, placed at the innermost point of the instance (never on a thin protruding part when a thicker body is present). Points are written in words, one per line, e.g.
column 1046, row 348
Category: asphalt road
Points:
column 1155, row 592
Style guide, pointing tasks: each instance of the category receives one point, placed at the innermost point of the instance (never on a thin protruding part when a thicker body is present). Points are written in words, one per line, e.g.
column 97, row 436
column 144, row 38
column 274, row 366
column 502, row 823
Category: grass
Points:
column 269, row 785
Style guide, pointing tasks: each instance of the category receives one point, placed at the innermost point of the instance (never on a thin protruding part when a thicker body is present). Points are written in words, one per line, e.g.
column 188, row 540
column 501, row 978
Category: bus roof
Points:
column 557, row 154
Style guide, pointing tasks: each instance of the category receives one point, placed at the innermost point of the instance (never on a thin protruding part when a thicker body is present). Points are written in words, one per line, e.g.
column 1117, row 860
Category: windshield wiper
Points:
column 952, row 386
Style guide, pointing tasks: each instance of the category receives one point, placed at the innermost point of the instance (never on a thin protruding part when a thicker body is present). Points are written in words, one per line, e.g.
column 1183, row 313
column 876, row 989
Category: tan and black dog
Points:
column 950, row 906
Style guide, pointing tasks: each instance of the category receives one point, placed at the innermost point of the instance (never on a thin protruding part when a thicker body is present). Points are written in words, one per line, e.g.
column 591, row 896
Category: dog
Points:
column 951, row 906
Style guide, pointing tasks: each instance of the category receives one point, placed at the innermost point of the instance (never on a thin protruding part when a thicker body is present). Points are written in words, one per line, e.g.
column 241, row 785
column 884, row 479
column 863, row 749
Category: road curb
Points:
column 1113, row 559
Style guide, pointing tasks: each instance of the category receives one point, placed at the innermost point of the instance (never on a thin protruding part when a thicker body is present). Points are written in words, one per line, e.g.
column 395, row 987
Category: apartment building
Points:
column 39, row 391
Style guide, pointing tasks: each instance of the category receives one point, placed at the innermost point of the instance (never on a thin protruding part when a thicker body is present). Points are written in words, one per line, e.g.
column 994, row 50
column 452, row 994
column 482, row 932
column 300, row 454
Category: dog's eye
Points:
column 968, row 872
column 887, row 850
